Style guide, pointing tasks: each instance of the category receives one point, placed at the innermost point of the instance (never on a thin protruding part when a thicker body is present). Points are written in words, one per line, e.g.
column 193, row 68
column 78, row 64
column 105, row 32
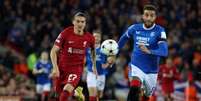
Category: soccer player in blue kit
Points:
column 96, row 83
column 42, row 71
column 149, row 43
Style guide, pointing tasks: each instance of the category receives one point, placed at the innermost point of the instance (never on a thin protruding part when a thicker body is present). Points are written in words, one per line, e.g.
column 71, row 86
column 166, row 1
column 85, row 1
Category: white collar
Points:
column 44, row 62
column 149, row 27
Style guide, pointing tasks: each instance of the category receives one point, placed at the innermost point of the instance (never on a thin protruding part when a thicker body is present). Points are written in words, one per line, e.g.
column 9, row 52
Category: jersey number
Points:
column 70, row 50
column 72, row 77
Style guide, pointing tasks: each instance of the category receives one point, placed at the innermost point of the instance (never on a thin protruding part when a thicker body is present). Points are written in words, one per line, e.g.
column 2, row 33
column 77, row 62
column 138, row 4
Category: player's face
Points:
column 44, row 56
column 97, row 37
column 149, row 16
column 169, row 62
column 79, row 22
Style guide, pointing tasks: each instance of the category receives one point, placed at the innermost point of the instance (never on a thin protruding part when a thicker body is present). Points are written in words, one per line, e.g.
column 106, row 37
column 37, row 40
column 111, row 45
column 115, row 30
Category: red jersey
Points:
column 167, row 77
column 73, row 48
column 164, row 73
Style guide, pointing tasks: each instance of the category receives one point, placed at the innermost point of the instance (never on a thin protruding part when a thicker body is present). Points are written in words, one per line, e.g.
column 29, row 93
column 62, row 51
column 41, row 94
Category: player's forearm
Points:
column 53, row 56
column 123, row 39
column 38, row 71
column 106, row 65
column 162, row 50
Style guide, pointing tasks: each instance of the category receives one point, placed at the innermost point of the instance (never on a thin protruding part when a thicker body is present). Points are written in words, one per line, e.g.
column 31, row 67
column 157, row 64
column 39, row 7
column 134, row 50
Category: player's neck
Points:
column 78, row 32
column 97, row 45
column 148, row 27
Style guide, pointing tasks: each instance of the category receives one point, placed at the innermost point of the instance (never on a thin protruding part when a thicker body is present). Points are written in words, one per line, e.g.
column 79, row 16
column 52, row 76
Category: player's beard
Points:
column 148, row 24
column 80, row 30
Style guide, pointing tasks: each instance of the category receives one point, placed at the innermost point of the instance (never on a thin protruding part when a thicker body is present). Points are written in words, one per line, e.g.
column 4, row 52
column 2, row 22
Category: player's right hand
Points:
column 111, row 59
column 144, row 49
column 55, row 73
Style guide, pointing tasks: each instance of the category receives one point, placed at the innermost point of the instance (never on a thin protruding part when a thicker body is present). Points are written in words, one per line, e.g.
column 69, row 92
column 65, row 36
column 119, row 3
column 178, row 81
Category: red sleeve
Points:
column 60, row 39
column 160, row 72
column 92, row 42
column 176, row 73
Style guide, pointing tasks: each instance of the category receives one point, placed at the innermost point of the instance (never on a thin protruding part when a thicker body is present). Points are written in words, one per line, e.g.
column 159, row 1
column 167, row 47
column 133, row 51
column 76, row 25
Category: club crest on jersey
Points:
column 84, row 43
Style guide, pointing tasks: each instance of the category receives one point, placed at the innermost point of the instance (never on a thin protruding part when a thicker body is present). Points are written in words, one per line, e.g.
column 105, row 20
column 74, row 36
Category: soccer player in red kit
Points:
column 167, row 75
column 68, row 54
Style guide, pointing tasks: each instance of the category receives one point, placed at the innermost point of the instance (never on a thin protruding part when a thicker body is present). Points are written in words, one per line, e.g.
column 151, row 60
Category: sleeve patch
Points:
column 163, row 35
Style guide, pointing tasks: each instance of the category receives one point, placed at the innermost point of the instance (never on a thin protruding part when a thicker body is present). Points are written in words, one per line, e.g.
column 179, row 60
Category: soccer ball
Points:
column 109, row 47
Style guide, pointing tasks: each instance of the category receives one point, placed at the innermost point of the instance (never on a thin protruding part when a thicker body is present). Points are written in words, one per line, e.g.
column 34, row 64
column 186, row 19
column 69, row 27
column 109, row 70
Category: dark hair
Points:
column 150, row 7
column 82, row 14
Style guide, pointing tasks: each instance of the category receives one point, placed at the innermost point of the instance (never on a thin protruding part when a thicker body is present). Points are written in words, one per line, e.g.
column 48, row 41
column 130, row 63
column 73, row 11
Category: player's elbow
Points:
column 165, row 54
column 54, row 51
column 164, row 49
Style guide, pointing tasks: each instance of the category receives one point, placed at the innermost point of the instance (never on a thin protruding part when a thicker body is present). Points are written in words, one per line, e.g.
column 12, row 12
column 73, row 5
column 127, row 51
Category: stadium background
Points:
column 29, row 26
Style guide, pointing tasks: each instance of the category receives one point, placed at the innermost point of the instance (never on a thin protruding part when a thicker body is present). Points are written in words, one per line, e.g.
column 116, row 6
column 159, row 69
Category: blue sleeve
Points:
column 37, row 65
column 88, row 57
column 162, row 49
column 103, row 59
column 50, row 69
column 123, row 39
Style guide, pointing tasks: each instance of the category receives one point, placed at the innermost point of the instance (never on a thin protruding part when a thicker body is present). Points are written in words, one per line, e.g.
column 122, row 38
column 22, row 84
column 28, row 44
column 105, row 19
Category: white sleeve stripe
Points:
column 58, row 41
column 127, row 34
column 129, row 28
column 160, row 42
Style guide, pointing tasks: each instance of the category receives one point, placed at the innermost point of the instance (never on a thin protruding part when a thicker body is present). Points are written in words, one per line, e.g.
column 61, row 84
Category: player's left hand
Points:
column 144, row 49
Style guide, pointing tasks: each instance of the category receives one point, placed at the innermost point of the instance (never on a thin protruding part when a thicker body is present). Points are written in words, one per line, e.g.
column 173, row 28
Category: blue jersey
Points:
column 43, row 78
column 154, row 38
column 100, row 59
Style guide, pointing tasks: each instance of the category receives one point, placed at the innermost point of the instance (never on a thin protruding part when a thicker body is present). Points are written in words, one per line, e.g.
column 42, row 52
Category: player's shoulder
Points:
column 134, row 26
column 38, row 63
column 67, row 30
column 89, row 35
column 98, row 49
column 159, row 27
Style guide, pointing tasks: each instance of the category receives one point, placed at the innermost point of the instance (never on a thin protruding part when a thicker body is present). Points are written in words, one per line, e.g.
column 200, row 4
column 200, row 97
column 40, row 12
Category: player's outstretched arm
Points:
column 53, row 55
column 162, row 49
column 123, row 39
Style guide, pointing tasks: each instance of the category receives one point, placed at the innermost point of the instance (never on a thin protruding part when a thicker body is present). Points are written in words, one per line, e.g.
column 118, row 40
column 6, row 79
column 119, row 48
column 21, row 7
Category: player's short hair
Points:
column 149, row 7
column 82, row 14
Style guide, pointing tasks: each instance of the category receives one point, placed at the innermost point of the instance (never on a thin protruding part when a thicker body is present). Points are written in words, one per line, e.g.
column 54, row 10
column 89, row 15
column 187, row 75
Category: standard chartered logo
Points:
column 142, row 40
column 75, row 51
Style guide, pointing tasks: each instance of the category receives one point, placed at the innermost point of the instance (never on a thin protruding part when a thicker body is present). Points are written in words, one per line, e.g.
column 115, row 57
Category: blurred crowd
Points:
column 28, row 27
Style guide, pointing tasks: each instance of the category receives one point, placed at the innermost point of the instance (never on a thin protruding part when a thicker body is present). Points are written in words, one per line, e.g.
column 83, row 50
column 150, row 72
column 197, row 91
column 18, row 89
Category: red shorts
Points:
column 71, row 76
column 167, row 88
